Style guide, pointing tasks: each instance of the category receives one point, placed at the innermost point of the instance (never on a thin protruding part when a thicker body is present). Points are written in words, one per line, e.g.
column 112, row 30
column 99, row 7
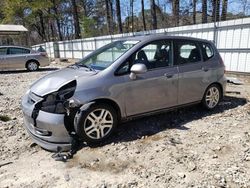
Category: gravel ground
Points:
column 189, row 147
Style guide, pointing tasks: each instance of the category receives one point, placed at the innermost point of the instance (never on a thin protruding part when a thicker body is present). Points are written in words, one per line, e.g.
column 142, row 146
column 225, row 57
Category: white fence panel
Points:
column 247, row 66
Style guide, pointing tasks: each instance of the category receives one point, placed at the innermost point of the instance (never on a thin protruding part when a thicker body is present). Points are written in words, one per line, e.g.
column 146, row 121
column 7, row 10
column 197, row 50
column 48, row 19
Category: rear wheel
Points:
column 212, row 96
column 96, row 123
column 32, row 66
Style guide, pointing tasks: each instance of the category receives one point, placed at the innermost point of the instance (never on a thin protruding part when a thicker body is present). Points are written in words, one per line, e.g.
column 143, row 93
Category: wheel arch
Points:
column 218, row 84
column 110, row 102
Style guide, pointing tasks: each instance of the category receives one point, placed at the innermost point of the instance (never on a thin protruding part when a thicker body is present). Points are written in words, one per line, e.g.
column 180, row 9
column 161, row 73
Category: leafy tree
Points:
column 88, row 26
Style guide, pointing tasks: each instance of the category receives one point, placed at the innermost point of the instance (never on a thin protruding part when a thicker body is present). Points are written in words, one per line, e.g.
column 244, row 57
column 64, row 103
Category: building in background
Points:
column 13, row 35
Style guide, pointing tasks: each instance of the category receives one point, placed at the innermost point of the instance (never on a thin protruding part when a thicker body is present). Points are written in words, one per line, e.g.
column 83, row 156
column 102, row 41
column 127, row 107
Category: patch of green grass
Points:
column 4, row 118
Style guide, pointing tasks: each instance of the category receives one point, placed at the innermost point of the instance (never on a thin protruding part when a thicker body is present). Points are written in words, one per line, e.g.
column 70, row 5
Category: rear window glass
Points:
column 18, row 51
column 207, row 51
column 187, row 52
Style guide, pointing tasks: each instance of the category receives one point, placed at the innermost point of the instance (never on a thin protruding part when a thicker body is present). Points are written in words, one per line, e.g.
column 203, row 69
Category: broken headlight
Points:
column 54, row 102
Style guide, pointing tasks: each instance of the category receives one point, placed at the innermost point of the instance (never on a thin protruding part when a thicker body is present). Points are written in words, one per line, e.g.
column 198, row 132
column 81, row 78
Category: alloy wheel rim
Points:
column 98, row 123
column 212, row 97
column 32, row 66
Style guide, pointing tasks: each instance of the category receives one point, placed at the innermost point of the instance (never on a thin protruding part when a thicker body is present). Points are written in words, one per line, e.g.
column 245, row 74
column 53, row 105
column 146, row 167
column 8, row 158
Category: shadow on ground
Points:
column 176, row 119
column 26, row 71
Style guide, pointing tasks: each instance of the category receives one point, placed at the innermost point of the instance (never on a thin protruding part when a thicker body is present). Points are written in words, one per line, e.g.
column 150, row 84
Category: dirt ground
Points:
column 189, row 147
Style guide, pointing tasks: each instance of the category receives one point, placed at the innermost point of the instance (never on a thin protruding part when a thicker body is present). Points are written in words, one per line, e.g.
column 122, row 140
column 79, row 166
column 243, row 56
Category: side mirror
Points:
column 138, row 68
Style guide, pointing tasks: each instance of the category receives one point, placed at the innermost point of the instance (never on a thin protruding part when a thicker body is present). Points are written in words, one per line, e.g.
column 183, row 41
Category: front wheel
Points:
column 96, row 123
column 212, row 97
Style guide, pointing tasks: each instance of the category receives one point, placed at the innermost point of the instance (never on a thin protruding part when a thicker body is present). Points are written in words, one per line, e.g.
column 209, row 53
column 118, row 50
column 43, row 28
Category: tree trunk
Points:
column 143, row 15
column 224, row 10
column 108, row 17
column 216, row 10
column 84, row 6
column 76, row 20
column 111, row 16
column 118, row 15
column 128, row 19
column 204, row 11
column 43, row 35
column 132, row 15
column 194, row 11
column 57, row 20
column 153, row 14
column 176, row 9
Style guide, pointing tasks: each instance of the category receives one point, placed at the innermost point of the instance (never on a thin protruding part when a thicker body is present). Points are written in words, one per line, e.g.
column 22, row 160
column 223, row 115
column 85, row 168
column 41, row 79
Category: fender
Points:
column 80, row 111
column 86, row 106
column 76, row 142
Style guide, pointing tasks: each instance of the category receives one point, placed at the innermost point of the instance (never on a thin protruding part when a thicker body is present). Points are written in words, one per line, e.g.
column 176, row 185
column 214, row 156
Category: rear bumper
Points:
column 43, row 61
column 223, row 82
column 47, row 130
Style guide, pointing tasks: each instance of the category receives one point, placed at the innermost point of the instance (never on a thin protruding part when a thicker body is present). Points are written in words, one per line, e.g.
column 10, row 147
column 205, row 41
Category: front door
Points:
column 3, row 52
column 157, row 88
column 17, row 57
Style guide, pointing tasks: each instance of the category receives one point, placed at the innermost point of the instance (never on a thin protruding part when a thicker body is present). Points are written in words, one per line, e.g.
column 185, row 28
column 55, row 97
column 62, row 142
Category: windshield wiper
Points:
column 77, row 65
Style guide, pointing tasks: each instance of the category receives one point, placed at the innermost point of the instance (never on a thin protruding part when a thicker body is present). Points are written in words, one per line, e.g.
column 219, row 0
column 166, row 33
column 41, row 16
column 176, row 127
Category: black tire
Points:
column 32, row 66
column 212, row 96
column 83, row 126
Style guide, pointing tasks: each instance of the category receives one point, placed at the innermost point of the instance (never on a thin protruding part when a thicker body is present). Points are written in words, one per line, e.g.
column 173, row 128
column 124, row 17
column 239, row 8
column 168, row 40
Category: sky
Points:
column 234, row 6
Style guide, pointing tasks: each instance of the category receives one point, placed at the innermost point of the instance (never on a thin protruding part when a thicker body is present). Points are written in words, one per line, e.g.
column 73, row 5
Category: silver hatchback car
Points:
column 16, row 57
column 123, row 80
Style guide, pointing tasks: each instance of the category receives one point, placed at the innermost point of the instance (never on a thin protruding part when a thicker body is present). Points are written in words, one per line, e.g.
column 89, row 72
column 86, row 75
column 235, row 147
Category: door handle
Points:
column 168, row 75
column 205, row 69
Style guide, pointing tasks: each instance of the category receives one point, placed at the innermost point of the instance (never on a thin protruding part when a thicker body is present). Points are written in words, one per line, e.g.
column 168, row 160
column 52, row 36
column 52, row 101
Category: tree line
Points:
column 56, row 20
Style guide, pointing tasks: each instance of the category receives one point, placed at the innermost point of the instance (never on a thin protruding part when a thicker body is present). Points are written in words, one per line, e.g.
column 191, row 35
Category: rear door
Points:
column 192, row 74
column 17, row 57
column 3, row 53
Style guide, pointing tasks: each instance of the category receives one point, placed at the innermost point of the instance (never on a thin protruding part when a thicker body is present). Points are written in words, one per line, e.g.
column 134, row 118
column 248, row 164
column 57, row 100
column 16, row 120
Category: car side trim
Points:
column 128, row 118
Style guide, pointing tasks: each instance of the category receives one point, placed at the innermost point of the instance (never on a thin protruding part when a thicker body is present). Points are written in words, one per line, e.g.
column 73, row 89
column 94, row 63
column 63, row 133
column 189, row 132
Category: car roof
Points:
column 152, row 37
column 14, row 47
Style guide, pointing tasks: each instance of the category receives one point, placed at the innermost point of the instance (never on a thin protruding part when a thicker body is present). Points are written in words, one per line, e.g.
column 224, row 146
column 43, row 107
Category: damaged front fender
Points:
column 80, row 112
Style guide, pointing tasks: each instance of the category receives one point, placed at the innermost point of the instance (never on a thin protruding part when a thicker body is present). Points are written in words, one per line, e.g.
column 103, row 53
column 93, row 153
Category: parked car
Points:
column 15, row 57
column 123, row 80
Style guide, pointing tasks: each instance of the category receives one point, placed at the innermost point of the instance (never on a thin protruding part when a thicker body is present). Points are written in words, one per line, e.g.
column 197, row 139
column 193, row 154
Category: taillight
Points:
column 43, row 54
column 222, row 63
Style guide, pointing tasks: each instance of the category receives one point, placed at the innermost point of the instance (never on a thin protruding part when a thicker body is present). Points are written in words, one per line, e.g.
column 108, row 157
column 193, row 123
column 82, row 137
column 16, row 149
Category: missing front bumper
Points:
column 48, row 130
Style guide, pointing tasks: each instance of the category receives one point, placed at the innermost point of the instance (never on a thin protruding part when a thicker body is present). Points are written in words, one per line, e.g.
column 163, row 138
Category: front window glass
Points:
column 104, row 57
column 3, row 51
column 155, row 55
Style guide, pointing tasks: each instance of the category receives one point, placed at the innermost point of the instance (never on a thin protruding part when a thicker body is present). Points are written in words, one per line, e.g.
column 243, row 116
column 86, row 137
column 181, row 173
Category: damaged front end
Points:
column 49, row 119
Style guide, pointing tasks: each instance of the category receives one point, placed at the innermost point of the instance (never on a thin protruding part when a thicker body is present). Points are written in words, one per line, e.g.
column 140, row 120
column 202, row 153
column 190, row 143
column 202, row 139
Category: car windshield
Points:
column 105, row 56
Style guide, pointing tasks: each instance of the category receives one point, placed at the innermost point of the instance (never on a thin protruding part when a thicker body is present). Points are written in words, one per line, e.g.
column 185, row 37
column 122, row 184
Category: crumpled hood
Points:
column 55, row 80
